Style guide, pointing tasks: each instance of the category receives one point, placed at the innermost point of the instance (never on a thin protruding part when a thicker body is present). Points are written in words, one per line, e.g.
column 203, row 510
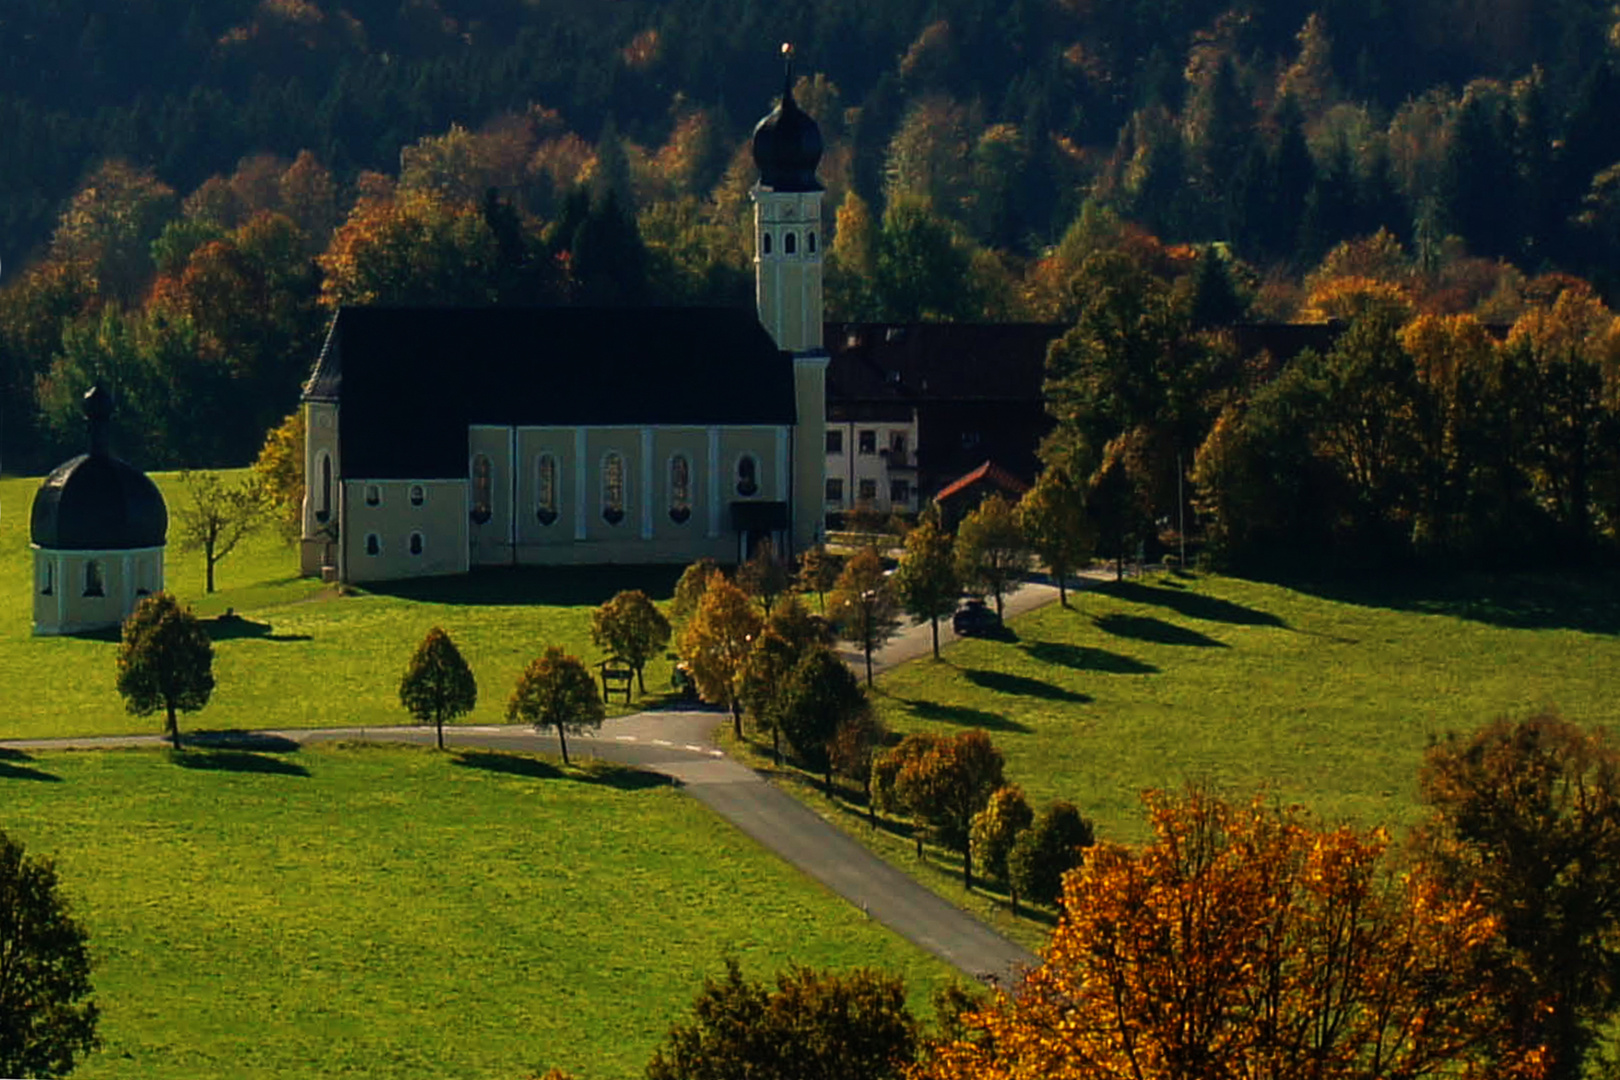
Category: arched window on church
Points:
column 790, row 243
column 613, row 487
column 545, row 489
column 747, row 476
column 765, row 243
column 680, row 489
column 323, row 509
column 483, row 489
column 92, row 579
column 416, row 543
column 47, row 583
column 810, row 241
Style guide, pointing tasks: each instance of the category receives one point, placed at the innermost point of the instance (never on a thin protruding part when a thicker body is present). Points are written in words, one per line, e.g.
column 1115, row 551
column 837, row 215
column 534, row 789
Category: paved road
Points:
column 680, row 744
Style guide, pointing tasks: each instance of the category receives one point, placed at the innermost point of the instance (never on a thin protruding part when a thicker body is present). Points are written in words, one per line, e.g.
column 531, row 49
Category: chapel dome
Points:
column 95, row 502
column 787, row 145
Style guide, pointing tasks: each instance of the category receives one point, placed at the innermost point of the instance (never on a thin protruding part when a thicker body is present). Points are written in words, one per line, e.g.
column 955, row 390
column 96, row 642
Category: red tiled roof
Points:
column 989, row 471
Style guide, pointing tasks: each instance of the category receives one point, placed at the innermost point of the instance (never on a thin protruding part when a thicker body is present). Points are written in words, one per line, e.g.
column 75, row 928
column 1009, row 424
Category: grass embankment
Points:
column 396, row 912
column 300, row 655
column 1327, row 697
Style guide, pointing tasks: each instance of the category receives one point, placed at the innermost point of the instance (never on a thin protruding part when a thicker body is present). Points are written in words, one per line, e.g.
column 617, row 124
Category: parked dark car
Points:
column 975, row 619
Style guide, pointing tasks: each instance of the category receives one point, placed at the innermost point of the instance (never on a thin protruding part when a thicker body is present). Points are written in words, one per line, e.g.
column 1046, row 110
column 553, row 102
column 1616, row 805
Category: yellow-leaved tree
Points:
column 1244, row 942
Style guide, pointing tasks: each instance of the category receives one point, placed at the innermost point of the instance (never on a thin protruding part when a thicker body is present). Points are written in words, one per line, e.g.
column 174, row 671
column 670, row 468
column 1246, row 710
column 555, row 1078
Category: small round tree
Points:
column 994, row 831
column 556, row 691
column 821, row 695
column 864, row 605
column 165, row 661
column 438, row 685
column 1047, row 850
column 631, row 627
column 46, row 1017
column 926, row 578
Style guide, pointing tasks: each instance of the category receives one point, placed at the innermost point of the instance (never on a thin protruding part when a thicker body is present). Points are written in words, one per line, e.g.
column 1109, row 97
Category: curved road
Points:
column 680, row 745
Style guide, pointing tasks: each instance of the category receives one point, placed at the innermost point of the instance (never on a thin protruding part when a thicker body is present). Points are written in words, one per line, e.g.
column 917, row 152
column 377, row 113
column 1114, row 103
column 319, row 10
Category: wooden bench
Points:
column 618, row 677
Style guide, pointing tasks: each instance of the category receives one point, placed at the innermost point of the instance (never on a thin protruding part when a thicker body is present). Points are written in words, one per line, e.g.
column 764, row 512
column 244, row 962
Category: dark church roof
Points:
column 914, row 362
column 411, row 380
column 96, row 502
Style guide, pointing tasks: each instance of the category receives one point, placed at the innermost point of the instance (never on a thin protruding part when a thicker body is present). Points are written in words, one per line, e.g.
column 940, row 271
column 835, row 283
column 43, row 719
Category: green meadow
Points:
column 1324, row 696
column 300, row 654
column 392, row 911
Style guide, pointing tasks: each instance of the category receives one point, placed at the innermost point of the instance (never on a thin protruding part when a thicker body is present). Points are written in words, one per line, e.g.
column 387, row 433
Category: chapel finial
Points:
column 98, row 412
column 787, row 71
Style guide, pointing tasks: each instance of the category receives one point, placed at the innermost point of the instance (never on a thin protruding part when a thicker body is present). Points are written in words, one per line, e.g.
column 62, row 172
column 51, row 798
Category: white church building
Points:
column 443, row 439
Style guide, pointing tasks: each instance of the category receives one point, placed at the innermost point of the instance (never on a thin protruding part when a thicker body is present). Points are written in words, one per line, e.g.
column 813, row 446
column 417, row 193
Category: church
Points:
column 443, row 439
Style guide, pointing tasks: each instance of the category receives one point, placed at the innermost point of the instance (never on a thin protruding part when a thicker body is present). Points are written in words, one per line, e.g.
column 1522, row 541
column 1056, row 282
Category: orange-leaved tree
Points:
column 942, row 782
column 1243, row 942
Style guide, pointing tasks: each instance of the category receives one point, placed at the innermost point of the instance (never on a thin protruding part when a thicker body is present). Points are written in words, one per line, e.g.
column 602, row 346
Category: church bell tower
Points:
column 788, row 245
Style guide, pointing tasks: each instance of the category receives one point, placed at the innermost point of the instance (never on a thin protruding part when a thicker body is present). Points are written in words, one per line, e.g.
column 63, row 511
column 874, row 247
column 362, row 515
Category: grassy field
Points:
column 301, row 655
column 1327, row 696
column 396, row 912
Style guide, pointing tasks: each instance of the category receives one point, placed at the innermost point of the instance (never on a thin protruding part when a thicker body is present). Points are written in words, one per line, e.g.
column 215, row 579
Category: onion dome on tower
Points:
column 95, row 502
column 787, row 143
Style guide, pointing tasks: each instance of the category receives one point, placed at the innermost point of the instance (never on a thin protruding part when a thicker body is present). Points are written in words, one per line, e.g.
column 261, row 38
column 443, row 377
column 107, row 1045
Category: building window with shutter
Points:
column 835, row 442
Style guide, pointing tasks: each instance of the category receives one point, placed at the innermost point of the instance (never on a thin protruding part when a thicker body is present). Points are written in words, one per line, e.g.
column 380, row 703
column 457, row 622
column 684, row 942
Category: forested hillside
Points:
column 186, row 189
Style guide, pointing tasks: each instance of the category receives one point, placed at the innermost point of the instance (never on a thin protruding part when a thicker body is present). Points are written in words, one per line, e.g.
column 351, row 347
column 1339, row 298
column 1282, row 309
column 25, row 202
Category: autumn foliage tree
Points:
column 438, row 685
column 1527, row 818
column 556, row 691
column 1244, row 941
column 926, row 581
column 165, row 661
column 991, row 551
column 864, row 607
column 631, row 626
column 813, row 1025
column 941, row 782
column 716, row 642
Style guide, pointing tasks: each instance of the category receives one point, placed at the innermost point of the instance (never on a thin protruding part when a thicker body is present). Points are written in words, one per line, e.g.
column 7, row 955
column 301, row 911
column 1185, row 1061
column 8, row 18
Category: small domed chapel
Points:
column 98, row 529
column 439, row 440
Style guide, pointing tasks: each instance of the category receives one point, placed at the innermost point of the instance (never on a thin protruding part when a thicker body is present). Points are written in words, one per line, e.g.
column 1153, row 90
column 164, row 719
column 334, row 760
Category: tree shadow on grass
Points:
column 262, row 742
column 1022, row 686
column 11, row 768
column 1086, row 658
column 236, row 761
column 233, row 627
column 563, row 586
column 1193, row 605
column 1577, row 600
column 589, row 771
column 1157, row 631
column 961, row 714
